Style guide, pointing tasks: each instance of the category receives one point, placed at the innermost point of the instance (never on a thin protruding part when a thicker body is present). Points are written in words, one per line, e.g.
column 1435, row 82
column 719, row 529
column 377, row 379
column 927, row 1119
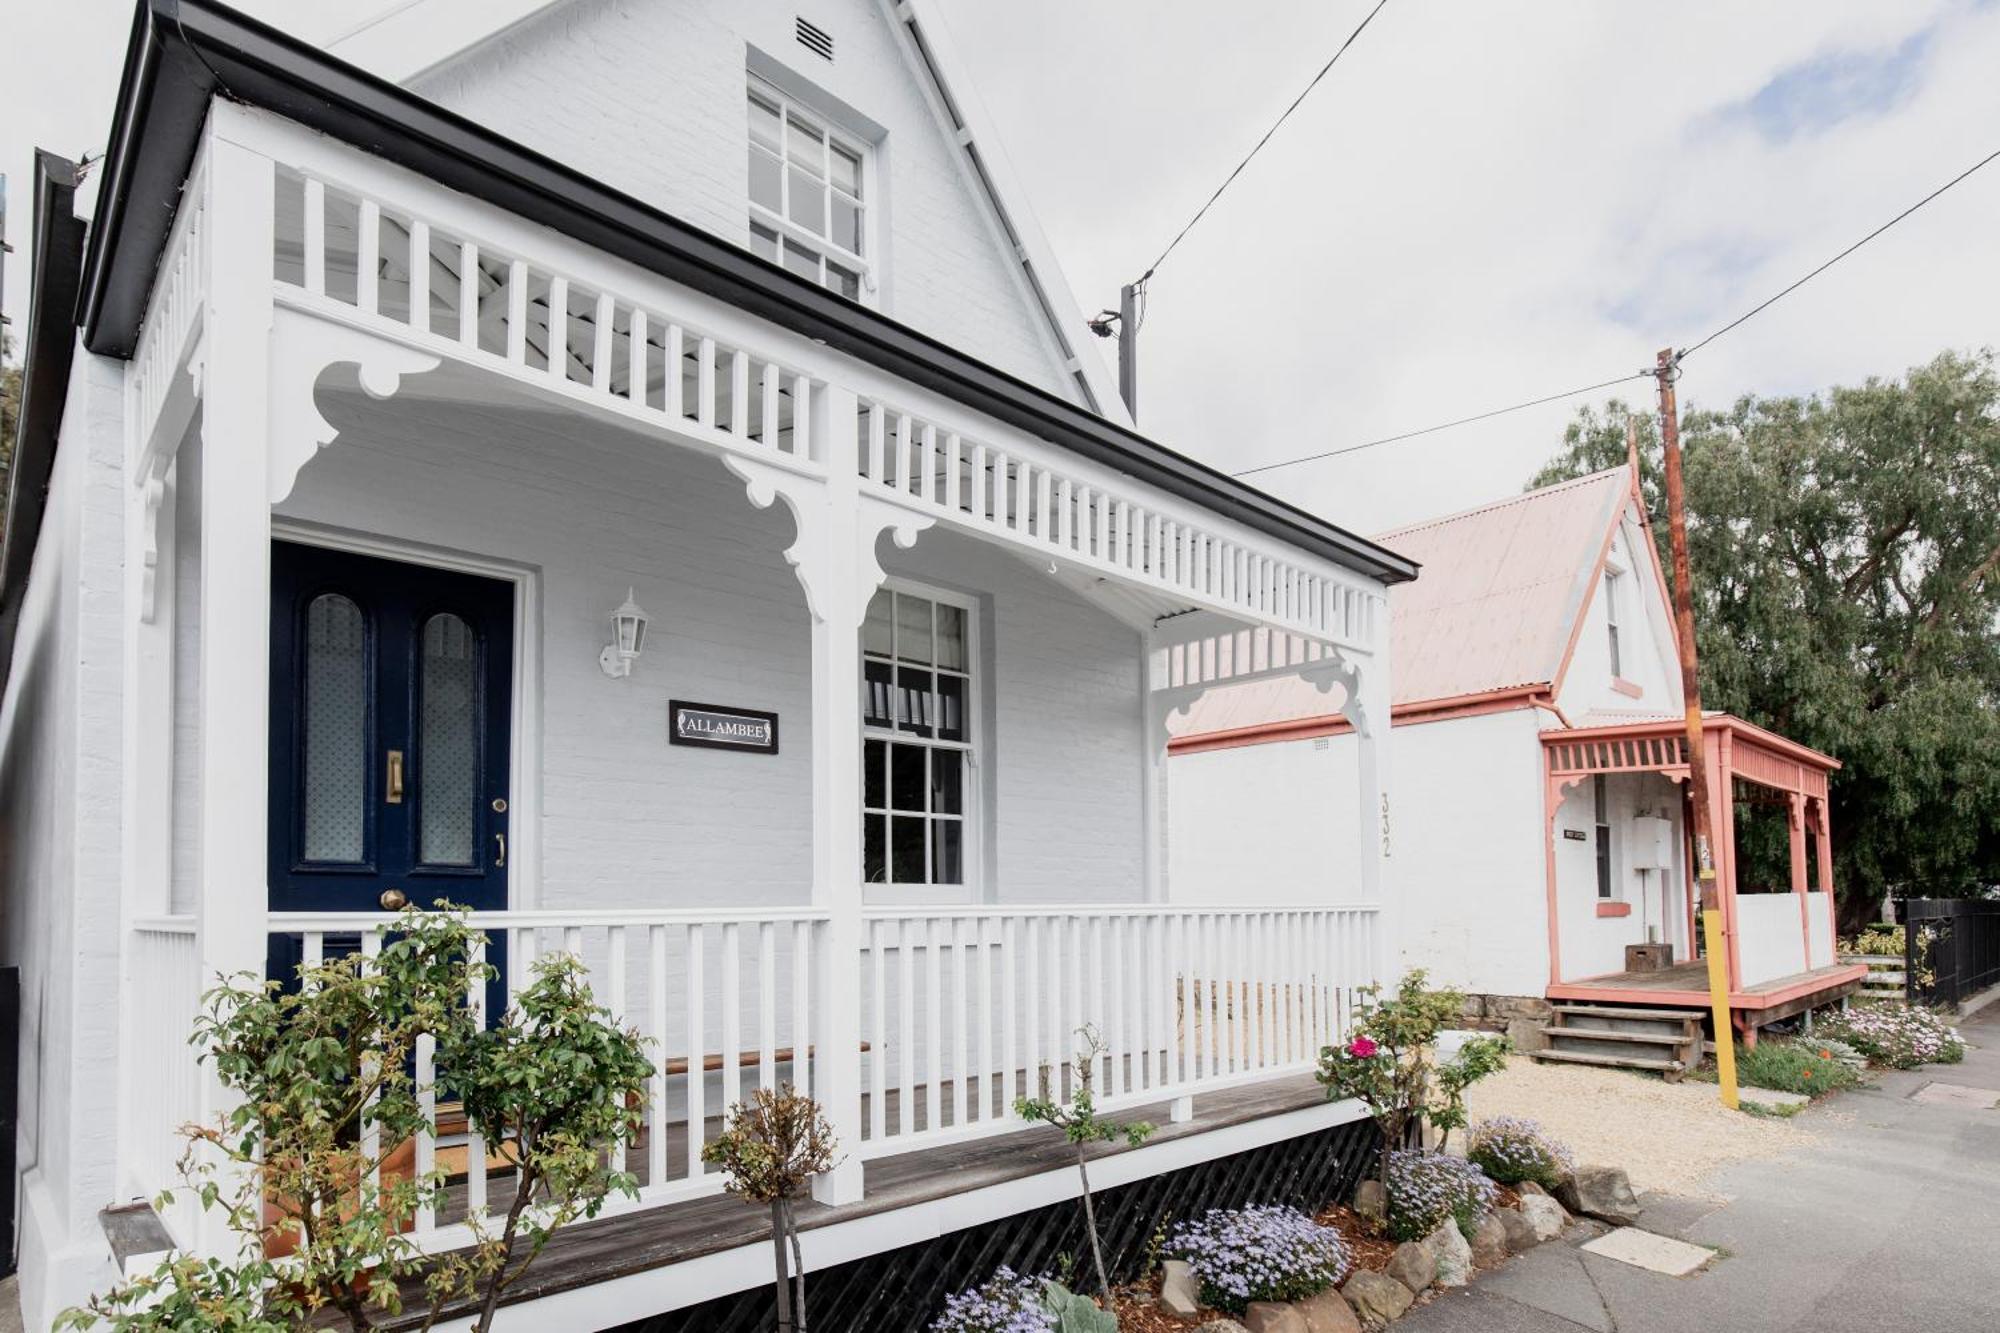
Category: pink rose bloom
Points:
column 1361, row 1048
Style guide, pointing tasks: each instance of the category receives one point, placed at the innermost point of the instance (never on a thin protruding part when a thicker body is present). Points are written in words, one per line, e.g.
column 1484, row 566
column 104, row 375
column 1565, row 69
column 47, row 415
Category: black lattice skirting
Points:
column 901, row 1291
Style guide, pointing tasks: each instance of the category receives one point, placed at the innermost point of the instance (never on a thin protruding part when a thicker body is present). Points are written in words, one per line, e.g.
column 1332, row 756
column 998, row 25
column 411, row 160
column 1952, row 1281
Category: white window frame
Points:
column 972, row 818
column 790, row 232
column 1613, row 579
column 1603, row 846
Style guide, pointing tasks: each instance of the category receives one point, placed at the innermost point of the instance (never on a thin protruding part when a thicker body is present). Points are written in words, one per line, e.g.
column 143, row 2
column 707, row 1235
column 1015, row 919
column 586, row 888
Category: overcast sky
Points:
column 1487, row 200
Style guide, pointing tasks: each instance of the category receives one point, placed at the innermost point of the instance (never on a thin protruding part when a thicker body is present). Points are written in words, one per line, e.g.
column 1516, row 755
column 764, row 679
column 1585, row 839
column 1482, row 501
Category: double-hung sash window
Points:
column 1611, row 589
column 917, row 748
column 1601, row 814
column 808, row 209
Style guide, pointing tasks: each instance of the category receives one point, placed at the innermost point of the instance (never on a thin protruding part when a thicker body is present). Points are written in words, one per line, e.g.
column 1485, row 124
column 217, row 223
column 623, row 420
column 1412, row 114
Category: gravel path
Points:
column 1667, row 1136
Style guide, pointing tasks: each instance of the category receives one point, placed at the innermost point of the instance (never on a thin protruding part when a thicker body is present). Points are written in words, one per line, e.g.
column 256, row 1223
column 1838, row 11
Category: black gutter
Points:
column 51, row 346
column 183, row 52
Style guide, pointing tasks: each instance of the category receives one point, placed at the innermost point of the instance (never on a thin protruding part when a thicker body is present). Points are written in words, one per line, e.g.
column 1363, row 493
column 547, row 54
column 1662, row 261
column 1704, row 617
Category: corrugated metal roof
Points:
column 1493, row 609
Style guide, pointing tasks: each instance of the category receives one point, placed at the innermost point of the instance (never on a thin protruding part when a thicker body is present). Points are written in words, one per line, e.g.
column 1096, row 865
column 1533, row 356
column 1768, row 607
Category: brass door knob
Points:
column 394, row 900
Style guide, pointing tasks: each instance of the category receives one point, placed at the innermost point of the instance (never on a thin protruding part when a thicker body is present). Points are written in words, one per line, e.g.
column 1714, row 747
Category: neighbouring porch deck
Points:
column 942, row 1188
column 1685, row 985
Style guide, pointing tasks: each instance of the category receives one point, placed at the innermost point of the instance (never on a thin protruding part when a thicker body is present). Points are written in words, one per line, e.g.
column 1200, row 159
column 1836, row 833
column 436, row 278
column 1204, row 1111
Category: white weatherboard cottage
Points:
column 638, row 478
column 1540, row 753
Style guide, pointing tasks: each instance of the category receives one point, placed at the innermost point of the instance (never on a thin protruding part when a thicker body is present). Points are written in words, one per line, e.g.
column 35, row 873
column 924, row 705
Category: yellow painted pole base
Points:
column 1718, row 1004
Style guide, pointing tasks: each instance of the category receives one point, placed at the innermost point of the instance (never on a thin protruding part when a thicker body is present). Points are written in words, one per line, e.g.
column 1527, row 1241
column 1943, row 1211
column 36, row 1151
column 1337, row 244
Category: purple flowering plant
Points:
column 1266, row 1252
column 1007, row 1302
column 1512, row 1148
column 1427, row 1189
column 1898, row 1035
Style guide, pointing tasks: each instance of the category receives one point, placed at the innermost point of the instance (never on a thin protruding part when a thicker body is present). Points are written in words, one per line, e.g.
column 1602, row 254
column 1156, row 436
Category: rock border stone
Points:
column 1591, row 1196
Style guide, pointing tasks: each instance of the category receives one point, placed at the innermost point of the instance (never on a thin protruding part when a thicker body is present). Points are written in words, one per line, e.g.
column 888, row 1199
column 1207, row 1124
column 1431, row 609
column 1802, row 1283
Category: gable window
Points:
column 1601, row 815
column 918, row 744
column 1611, row 590
column 808, row 210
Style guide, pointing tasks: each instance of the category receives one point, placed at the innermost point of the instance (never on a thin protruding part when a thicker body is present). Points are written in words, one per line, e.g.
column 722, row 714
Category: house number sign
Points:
column 1576, row 835
column 717, row 728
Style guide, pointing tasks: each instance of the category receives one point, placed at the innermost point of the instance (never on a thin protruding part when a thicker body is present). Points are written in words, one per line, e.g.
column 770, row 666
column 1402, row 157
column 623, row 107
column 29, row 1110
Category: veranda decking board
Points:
column 634, row 1242
column 1686, row 985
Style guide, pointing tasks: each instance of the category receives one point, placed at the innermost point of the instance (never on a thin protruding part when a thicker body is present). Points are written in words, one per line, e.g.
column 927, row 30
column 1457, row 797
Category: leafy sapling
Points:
column 554, row 1088
column 1387, row 1064
column 1077, row 1119
column 776, row 1141
column 307, row 1170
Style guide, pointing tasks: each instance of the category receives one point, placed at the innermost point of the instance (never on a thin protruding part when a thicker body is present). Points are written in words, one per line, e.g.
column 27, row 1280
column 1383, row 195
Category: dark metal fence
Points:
column 1951, row 949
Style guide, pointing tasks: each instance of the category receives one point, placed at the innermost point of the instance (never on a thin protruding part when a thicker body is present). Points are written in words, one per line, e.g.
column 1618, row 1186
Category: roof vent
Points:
column 816, row 39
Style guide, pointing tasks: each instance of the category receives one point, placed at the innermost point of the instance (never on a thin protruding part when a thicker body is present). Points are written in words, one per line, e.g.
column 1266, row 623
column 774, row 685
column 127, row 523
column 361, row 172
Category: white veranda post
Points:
column 834, row 556
column 235, row 584
column 1367, row 708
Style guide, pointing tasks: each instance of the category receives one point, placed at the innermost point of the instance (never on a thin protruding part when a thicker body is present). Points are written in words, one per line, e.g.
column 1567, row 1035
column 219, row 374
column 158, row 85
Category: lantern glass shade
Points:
column 628, row 636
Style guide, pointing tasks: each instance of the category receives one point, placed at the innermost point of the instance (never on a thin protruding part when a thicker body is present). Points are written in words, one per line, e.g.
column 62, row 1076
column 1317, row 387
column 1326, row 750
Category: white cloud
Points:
column 1485, row 203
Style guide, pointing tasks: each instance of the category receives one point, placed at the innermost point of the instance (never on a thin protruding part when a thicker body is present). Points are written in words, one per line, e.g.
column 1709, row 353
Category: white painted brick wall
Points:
column 59, row 849
column 628, row 819
column 648, row 96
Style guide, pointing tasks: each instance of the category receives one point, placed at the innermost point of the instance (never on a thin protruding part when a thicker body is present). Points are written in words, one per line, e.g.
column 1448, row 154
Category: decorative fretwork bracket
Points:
column 302, row 349
column 819, row 533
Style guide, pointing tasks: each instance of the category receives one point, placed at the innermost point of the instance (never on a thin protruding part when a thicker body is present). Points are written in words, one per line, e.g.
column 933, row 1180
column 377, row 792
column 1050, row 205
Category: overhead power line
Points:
column 1682, row 355
column 1446, row 425
column 1773, row 300
column 1258, row 147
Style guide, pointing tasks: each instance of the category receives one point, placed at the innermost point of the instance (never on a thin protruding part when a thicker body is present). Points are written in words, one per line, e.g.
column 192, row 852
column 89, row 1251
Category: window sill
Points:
column 1614, row 909
column 1627, row 688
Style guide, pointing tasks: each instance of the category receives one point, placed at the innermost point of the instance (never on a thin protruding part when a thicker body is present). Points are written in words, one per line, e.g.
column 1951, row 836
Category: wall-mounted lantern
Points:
column 628, row 639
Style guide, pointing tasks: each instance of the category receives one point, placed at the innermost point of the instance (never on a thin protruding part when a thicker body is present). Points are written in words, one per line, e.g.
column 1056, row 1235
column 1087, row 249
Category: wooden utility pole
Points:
column 1128, row 348
column 1714, row 941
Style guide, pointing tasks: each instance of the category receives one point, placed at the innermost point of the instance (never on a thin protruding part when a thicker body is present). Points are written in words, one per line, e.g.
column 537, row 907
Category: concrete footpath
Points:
column 1890, row 1221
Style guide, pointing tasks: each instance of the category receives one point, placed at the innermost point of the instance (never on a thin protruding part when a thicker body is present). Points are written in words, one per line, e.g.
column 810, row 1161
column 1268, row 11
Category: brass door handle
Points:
column 395, row 781
column 394, row 900
column 501, row 860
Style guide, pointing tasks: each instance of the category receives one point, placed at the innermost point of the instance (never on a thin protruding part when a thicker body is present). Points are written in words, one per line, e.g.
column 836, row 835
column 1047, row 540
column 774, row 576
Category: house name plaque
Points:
column 717, row 728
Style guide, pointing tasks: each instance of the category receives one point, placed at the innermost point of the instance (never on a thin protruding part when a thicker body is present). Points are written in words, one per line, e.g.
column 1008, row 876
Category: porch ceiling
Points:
column 184, row 52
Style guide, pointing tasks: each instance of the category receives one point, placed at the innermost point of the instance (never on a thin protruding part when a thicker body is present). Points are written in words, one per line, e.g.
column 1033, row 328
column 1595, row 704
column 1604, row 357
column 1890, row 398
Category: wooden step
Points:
column 1648, row 1015
column 1669, row 1067
column 1614, row 1035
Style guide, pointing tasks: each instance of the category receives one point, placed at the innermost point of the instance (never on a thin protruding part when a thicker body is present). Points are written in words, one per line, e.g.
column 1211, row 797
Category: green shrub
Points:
column 1791, row 1066
column 1878, row 942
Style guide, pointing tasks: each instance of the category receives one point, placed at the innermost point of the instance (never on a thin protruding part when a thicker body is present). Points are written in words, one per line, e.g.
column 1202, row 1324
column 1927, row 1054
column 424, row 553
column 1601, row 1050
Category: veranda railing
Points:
column 963, row 1011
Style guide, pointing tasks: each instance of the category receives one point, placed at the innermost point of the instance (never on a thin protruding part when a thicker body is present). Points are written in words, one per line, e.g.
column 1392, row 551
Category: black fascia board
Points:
column 49, row 349
column 183, row 52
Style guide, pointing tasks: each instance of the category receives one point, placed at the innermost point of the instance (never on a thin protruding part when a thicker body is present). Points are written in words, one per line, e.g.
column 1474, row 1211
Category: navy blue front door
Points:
column 391, row 695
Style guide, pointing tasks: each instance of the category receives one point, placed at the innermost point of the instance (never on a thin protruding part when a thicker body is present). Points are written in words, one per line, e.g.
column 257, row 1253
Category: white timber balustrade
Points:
column 1058, row 510
column 724, row 1000
column 966, row 1010
column 163, row 985
column 621, row 344
column 962, row 1011
column 348, row 254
